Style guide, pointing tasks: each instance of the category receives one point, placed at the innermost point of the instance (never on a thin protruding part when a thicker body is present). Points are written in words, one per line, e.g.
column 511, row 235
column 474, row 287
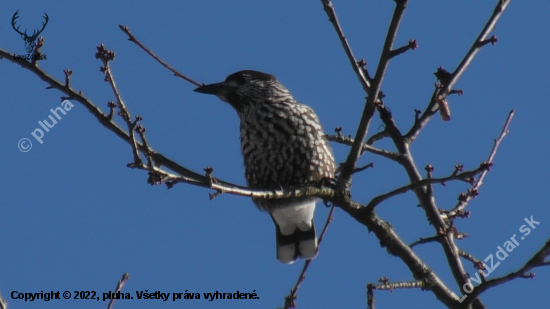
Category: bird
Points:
column 283, row 145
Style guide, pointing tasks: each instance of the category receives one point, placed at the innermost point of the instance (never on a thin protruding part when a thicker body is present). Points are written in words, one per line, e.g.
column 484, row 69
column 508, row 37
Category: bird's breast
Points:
column 283, row 147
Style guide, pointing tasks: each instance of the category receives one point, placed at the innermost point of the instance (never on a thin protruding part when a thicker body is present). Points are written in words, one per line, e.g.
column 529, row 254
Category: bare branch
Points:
column 538, row 260
column 412, row 45
column 357, row 66
column 465, row 176
column 370, row 299
column 426, row 240
column 118, row 288
column 362, row 168
column 390, row 286
column 133, row 39
column 476, row 46
column 477, row 263
column 106, row 56
column 395, row 246
column 424, row 196
column 3, row 303
column 68, row 74
column 291, row 298
column 441, row 93
column 373, row 96
column 346, row 140
column 385, row 285
column 376, row 137
column 463, row 202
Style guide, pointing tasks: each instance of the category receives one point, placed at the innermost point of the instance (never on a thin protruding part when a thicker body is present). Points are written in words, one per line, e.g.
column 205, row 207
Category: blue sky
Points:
column 75, row 218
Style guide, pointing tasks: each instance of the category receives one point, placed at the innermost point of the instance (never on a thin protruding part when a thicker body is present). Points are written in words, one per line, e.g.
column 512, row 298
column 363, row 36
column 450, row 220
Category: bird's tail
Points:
column 295, row 232
column 301, row 244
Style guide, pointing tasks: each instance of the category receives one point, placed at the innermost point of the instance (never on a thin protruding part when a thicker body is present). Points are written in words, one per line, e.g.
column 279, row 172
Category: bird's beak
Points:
column 215, row 89
column 221, row 90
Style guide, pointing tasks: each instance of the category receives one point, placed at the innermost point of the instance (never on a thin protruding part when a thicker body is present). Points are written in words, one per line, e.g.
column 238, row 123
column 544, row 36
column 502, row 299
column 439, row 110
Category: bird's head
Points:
column 247, row 89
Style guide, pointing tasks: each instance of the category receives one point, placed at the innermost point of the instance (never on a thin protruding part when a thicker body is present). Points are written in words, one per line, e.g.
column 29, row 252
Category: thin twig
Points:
column 426, row 240
column 106, row 56
column 412, row 45
column 470, row 258
column 119, row 286
column 133, row 39
column 344, row 179
column 441, row 93
column 464, row 176
column 3, row 303
column 476, row 46
column 371, row 303
column 329, row 9
column 362, row 168
column 346, row 140
column 538, row 260
column 386, row 285
column 390, row 286
column 475, row 188
column 376, row 137
column 290, row 299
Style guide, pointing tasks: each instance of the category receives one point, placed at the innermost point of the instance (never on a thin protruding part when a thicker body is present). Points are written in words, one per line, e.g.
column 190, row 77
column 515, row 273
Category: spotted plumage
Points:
column 283, row 145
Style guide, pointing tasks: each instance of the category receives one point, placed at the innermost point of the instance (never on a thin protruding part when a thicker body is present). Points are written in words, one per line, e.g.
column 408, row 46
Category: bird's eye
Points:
column 235, row 81
column 241, row 80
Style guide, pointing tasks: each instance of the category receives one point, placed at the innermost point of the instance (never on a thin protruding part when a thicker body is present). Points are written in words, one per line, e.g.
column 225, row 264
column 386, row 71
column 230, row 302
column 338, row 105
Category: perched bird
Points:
column 283, row 145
